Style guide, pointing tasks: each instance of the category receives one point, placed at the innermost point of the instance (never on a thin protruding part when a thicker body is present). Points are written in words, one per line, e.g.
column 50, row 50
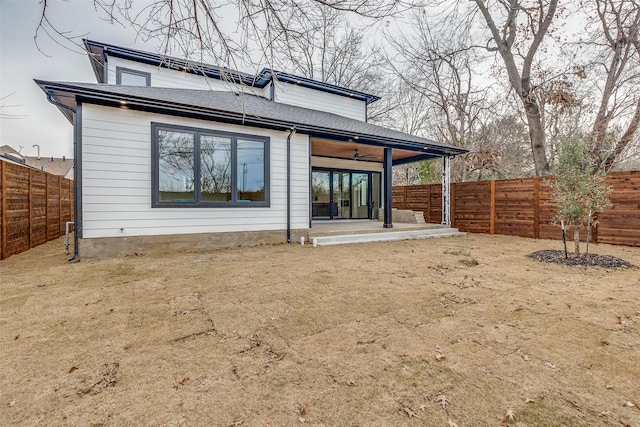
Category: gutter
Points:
column 76, row 202
column 291, row 133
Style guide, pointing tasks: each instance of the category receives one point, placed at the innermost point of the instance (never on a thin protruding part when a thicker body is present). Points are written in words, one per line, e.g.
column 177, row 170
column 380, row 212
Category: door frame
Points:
column 370, row 196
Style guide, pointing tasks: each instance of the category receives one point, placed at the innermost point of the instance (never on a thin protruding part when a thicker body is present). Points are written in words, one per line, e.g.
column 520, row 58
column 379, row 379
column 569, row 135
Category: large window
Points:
column 202, row 168
column 129, row 77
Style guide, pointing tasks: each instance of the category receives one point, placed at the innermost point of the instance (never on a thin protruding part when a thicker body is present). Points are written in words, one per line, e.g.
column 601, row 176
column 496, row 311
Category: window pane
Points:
column 215, row 169
column 131, row 79
column 176, row 167
column 250, row 179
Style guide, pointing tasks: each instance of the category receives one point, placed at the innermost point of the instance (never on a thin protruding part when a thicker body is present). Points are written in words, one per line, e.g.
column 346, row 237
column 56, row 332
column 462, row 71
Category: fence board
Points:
column 34, row 207
column 525, row 207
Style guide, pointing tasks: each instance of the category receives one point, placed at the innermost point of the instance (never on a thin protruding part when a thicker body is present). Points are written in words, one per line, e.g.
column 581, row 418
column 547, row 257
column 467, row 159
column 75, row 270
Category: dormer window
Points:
column 129, row 77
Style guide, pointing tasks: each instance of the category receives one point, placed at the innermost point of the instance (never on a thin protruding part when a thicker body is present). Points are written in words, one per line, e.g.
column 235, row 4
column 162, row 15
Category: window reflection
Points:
column 176, row 166
column 250, row 163
column 215, row 168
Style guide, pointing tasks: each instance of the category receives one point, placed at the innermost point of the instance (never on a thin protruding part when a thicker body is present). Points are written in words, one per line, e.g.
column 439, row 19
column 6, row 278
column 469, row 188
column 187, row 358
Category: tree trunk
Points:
column 576, row 240
column 536, row 135
column 624, row 140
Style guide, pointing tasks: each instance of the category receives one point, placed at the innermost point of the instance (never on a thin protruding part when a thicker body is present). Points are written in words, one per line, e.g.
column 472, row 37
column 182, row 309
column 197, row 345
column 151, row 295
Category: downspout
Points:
column 75, row 173
column 293, row 131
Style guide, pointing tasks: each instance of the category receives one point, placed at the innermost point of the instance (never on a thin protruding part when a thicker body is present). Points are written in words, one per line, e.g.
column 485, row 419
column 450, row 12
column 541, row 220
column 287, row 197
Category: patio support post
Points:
column 388, row 183
column 446, row 190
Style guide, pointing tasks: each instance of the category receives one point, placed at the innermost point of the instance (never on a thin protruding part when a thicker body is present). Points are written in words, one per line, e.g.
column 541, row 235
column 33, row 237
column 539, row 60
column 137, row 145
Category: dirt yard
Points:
column 462, row 331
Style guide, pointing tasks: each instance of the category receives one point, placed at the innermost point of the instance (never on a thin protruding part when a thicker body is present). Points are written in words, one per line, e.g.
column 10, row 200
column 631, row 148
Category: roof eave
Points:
column 130, row 101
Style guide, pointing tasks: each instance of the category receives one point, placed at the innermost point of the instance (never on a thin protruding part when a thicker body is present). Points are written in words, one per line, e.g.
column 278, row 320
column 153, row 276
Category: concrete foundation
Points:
column 115, row 247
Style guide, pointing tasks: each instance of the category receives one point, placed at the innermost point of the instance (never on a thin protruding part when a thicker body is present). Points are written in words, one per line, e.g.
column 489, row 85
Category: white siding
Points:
column 116, row 180
column 327, row 162
column 164, row 77
column 300, row 96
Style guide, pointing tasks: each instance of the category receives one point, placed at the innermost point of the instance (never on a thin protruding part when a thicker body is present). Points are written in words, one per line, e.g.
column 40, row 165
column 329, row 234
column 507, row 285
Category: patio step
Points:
column 387, row 236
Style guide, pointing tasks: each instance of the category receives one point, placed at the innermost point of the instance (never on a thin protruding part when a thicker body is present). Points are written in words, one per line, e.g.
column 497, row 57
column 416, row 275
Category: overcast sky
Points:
column 27, row 118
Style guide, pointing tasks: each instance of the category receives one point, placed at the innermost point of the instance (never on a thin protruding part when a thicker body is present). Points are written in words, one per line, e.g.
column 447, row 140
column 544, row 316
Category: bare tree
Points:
column 436, row 62
column 199, row 30
column 328, row 48
column 517, row 29
column 617, row 57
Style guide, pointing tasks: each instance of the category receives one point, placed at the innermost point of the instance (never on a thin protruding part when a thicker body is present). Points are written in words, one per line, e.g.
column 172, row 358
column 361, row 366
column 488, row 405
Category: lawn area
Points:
column 439, row 332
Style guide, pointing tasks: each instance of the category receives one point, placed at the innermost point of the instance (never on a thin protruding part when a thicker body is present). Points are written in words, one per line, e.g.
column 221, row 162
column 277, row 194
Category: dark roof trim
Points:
column 318, row 85
column 70, row 94
column 98, row 53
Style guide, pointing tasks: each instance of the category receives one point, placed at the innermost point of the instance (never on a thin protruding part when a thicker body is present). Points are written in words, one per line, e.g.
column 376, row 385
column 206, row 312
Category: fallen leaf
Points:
column 442, row 400
column 410, row 413
column 351, row 382
column 302, row 420
column 629, row 405
column 609, row 386
column 184, row 381
column 451, row 424
column 529, row 401
column 510, row 415
column 604, row 342
column 16, row 337
column 423, row 407
column 13, row 402
column 440, row 356
column 550, row 365
column 526, row 358
column 604, row 413
column 73, row 368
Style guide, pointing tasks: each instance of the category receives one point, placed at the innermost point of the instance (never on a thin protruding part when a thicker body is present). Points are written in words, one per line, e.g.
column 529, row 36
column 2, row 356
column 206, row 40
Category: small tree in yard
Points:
column 579, row 190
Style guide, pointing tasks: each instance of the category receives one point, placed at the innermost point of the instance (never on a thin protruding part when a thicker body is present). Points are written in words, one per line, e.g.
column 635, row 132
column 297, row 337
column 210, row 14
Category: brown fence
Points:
column 34, row 207
column 524, row 207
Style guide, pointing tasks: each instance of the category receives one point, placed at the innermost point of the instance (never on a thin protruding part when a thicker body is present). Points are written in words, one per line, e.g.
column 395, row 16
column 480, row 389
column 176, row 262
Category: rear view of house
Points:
column 174, row 155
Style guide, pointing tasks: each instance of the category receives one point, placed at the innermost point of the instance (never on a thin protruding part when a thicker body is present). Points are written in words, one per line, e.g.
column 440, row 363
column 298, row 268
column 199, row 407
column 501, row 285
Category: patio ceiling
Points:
column 347, row 150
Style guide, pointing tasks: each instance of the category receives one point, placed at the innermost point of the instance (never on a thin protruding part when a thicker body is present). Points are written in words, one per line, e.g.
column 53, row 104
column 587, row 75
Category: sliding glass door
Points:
column 321, row 195
column 340, row 194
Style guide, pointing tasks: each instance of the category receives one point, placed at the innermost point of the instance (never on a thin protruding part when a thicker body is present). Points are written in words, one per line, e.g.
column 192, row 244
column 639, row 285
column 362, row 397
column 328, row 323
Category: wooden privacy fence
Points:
column 34, row 207
column 524, row 207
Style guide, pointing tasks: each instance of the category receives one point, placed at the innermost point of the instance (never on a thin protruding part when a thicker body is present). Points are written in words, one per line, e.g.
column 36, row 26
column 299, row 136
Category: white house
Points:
column 173, row 154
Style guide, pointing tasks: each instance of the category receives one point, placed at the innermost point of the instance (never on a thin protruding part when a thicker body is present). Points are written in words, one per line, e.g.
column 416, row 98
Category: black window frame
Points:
column 197, row 133
column 121, row 70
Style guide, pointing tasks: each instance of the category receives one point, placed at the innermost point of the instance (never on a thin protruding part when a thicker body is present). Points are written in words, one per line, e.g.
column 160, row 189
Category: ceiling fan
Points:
column 358, row 156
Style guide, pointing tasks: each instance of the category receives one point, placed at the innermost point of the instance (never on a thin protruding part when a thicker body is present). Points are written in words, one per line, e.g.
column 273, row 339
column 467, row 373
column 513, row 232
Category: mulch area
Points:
column 590, row 260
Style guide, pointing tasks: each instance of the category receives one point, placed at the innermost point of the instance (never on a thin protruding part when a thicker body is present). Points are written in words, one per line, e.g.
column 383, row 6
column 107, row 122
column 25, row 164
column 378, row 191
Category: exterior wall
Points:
column 291, row 94
column 116, row 180
column 284, row 92
column 327, row 162
column 164, row 77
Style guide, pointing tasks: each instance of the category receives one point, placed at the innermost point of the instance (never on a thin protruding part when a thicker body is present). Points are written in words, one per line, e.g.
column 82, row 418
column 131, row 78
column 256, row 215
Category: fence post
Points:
column 30, row 207
column 3, row 207
column 59, row 206
column 536, row 207
column 404, row 197
column 452, row 206
column 428, row 211
column 492, row 219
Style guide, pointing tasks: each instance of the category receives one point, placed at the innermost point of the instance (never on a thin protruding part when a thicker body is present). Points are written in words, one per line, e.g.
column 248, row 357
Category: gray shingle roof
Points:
column 248, row 109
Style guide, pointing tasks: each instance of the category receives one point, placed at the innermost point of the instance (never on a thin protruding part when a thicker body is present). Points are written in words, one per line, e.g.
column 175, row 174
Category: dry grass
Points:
column 431, row 332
